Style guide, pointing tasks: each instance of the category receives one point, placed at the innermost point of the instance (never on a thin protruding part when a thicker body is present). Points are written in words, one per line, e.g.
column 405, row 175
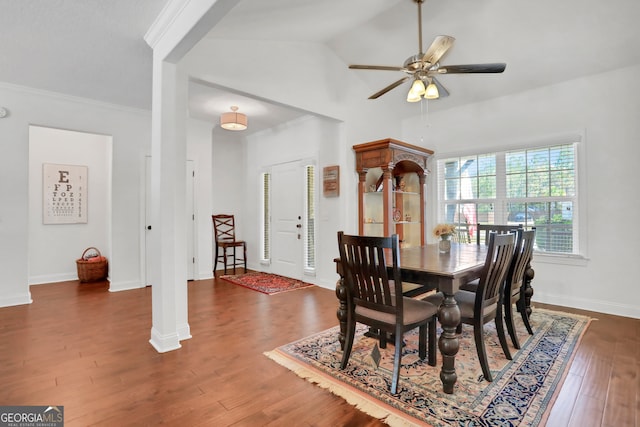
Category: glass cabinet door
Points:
column 373, row 204
column 391, row 178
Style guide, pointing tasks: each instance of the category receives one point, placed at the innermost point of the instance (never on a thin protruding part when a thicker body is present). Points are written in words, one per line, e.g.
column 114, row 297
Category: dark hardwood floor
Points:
column 85, row 348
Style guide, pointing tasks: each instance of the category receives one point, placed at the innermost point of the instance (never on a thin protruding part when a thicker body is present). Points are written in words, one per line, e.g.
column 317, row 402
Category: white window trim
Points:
column 577, row 137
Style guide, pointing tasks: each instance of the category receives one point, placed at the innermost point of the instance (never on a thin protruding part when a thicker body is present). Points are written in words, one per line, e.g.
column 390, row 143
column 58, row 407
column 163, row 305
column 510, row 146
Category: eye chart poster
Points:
column 64, row 194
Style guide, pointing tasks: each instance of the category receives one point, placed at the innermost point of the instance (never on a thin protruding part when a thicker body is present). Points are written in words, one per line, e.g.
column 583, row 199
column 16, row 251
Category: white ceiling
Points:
column 95, row 48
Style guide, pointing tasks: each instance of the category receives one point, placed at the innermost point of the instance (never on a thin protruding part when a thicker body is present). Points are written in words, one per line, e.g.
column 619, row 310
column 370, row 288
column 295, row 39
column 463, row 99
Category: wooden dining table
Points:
column 432, row 270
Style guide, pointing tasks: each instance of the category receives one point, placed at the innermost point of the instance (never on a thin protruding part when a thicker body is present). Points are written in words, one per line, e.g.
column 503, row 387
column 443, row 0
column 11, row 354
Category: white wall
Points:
column 605, row 108
column 130, row 131
column 53, row 248
column 229, row 174
column 340, row 117
column 320, row 140
column 301, row 139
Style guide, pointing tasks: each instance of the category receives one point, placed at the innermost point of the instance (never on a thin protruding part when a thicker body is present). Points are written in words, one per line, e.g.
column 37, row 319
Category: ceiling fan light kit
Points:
column 413, row 97
column 431, row 91
column 418, row 87
column 233, row 120
column 425, row 66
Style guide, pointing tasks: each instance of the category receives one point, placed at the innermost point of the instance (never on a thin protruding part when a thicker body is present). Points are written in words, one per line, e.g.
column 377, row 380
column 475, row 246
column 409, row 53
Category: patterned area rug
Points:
column 266, row 283
column 521, row 394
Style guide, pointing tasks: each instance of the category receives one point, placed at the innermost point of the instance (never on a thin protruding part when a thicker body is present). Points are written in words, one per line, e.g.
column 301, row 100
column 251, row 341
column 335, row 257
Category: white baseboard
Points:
column 20, row 299
column 125, row 286
column 164, row 343
column 625, row 310
column 184, row 332
column 52, row 278
column 204, row 275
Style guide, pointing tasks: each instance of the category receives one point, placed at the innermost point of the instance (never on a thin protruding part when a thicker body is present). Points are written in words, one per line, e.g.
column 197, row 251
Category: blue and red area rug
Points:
column 521, row 394
column 266, row 283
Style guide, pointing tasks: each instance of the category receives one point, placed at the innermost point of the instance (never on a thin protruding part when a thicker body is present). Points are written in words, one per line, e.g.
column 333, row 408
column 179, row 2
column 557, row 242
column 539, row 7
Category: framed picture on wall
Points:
column 331, row 181
column 64, row 190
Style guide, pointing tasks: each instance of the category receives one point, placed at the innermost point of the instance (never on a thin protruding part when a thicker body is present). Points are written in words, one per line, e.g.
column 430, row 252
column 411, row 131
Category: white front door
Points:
column 287, row 208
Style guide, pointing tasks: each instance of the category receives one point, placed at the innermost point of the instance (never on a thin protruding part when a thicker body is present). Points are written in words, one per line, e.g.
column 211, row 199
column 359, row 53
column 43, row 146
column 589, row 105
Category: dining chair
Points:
column 482, row 237
column 483, row 230
column 224, row 231
column 514, row 286
column 485, row 304
column 374, row 298
column 461, row 234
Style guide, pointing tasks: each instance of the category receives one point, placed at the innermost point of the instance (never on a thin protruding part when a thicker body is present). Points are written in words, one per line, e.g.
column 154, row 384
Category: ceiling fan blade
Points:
column 442, row 92
column 388, row 88
column 472, row 68
column 375, row 67
column 438, row 48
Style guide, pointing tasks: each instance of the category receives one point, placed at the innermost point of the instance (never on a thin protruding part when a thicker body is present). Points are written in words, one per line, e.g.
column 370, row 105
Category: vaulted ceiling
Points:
column 95, row 48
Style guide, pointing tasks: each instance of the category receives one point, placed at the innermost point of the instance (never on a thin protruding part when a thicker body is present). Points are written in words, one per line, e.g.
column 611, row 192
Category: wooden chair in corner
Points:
column 374, row 298
column 514, row 287
column 224, row 232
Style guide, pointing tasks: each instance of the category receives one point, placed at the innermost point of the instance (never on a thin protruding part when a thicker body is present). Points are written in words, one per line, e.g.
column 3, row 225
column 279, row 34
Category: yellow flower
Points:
column 441, row 230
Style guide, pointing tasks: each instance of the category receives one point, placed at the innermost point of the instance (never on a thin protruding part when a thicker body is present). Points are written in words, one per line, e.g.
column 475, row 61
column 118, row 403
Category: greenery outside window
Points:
column 536, row 187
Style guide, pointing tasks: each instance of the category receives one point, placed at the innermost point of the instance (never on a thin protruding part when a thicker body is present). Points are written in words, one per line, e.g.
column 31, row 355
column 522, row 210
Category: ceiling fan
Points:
column 424, row 67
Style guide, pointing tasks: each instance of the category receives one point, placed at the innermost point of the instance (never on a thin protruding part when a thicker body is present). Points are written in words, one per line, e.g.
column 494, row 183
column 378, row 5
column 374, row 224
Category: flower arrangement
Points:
column 444, row 231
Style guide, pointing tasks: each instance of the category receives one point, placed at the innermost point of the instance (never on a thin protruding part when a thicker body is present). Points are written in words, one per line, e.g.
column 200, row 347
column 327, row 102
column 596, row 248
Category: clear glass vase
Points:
column 444, row 245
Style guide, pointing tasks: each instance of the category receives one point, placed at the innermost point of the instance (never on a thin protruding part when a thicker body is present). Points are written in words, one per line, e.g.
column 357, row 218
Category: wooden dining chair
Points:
column 224, row 231
column 485, row 304
column 375, row 299
column 483, row 230
column 514, row 286
column 482, row 237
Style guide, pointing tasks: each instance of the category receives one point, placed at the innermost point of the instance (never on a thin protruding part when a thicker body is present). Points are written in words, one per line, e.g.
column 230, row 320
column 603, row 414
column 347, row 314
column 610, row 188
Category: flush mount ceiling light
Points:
column 233, row 120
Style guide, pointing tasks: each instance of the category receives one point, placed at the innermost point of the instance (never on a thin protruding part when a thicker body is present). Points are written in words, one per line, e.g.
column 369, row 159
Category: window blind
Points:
column 266, row 214
column 535, row 187
column 310, row 240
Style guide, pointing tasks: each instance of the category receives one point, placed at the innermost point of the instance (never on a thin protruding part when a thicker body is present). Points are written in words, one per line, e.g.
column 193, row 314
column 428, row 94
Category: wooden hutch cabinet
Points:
column 391, row 190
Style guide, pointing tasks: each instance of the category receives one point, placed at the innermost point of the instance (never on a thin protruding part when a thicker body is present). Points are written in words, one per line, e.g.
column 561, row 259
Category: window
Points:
column 535, row 187
column 266, row 223
column 310, row 216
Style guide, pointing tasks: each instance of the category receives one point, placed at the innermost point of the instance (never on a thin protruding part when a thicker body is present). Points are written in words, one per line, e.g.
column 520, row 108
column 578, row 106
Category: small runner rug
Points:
column 266, row 283
column 521, row 394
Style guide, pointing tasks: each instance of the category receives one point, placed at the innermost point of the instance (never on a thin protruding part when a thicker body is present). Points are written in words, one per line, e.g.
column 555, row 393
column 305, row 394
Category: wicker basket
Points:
column 91, row 271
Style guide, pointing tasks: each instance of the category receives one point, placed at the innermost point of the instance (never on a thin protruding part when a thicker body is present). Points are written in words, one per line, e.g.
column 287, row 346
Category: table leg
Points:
column 449, row 317
column 529, row 274
column 341, row 293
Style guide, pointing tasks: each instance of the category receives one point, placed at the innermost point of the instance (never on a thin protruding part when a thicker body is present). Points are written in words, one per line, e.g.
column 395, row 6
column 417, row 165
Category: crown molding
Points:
column 72, row 98
column 164, row 20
